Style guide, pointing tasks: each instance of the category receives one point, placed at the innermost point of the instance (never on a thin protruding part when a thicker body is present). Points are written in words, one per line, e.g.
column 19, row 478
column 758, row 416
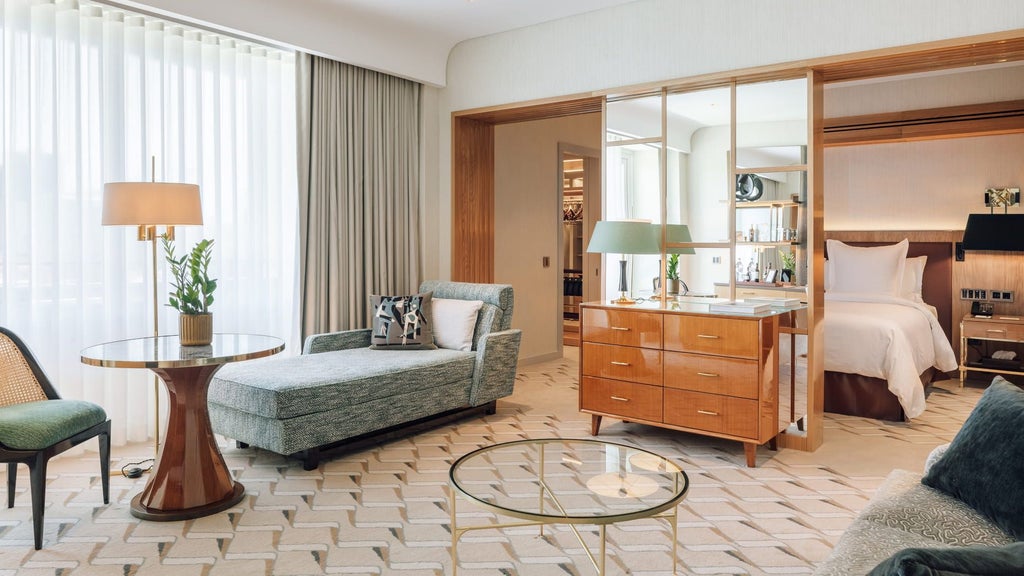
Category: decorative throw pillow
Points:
column 984, row 465
column 402, row 322
column 959, row 560
column 454, row 322
column 874, row 270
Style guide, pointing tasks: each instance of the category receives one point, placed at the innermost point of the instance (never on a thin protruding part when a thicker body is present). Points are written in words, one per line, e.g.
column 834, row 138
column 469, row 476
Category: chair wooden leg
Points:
column 12, row 478
column 104, row 440
column 37, row 480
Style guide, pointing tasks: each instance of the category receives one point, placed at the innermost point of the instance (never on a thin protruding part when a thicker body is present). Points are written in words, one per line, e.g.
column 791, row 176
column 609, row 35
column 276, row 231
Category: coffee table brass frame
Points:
column 665, row 510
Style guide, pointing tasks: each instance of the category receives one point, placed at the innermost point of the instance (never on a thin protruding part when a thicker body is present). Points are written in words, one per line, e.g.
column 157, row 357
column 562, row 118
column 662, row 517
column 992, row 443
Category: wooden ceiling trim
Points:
column 952, row 121
column 953, row 53
column 539, row 111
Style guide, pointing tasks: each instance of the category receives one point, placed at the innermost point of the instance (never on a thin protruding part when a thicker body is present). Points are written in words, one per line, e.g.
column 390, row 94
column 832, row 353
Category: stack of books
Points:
column 740, row 307
column 776, row 301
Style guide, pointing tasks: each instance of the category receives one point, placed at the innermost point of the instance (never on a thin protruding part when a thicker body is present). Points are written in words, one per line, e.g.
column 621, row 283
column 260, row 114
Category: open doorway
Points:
column 581, row 207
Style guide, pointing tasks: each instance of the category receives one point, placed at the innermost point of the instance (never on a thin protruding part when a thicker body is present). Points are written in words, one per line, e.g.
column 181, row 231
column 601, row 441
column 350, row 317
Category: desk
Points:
column 189, row 478
column 567, row 481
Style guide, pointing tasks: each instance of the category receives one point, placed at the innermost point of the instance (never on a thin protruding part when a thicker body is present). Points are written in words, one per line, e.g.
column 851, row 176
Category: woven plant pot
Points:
column 195, row 329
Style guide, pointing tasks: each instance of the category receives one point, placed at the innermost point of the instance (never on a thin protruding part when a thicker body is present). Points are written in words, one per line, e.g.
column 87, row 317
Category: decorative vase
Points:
column 195, row 329
column 786, row 275
column 671, row 286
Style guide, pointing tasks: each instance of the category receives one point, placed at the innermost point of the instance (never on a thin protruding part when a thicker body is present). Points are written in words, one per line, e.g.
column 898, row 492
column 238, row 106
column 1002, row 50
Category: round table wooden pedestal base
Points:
column 140, row 510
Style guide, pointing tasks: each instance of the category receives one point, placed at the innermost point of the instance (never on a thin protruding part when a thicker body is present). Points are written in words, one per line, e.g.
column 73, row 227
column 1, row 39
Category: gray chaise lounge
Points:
column 339, row 388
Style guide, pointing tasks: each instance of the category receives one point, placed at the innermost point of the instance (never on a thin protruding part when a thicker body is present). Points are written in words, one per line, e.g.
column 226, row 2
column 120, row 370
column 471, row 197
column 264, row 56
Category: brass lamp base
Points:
column 623, row 300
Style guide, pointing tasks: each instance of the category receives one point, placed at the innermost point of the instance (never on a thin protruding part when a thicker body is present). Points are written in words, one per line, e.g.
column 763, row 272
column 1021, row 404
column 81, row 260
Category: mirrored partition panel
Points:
column 721, row 174
column 698, row 128
column 633, row 185
column 771, row 123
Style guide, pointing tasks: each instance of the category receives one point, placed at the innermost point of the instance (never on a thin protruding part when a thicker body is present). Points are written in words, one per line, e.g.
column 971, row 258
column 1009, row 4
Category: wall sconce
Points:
column 1002, row 197
column 996, row 232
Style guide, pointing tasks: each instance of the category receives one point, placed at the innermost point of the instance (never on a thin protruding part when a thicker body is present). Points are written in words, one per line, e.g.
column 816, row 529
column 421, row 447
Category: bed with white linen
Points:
column 884, row 344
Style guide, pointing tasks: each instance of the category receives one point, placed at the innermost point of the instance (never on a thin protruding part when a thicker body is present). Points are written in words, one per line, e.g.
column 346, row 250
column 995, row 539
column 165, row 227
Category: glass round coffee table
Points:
column 567, row 481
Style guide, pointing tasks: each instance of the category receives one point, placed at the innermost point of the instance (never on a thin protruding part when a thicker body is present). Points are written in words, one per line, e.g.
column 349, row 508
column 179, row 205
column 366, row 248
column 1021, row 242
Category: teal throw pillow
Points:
column 958, row 560
column 984, row 465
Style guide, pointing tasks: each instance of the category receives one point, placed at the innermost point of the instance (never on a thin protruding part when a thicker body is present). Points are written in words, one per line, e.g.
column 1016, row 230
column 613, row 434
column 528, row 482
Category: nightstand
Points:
column 986, row 335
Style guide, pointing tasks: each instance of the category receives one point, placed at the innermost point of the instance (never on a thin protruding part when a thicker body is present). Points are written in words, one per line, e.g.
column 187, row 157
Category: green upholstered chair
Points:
column 36, row 424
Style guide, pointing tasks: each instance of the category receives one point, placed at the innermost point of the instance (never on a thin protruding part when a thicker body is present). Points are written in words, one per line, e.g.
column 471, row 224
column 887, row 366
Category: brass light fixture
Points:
column 996, row 232
column 148, row 205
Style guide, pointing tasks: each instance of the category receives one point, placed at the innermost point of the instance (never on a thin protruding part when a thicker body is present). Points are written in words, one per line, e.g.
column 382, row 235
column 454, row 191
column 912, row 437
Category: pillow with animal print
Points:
column 401, row 322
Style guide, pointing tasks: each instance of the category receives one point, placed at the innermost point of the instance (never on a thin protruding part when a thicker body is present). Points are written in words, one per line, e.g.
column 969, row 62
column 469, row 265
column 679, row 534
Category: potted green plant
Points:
column 788, row 265
column 192, row 292
column 672, row 274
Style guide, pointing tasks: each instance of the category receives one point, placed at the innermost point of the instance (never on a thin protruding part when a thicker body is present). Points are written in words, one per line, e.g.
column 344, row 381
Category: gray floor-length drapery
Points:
column 359, row 191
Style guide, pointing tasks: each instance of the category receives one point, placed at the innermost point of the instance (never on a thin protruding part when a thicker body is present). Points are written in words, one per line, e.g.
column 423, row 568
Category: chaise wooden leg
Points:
column 12, row 478
column 241, row 445
column 595, row 424
column 491, row 408
column 773, row 444
column 751, row 451
column 37, row 480
column 311, row 459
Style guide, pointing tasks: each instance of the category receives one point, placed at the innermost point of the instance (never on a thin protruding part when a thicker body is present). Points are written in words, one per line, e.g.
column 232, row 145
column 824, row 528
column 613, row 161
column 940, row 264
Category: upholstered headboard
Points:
column 937, row 288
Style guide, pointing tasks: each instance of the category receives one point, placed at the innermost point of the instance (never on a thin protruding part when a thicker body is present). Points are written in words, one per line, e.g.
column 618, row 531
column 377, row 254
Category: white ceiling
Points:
column 458, row 20
column 407, row 38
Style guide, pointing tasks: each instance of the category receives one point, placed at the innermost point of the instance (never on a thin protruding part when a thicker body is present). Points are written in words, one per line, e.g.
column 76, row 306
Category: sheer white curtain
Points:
column 89, row 94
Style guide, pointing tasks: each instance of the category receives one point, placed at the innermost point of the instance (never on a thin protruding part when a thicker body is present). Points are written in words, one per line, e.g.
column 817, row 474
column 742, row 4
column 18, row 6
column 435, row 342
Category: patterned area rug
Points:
column 384, row 510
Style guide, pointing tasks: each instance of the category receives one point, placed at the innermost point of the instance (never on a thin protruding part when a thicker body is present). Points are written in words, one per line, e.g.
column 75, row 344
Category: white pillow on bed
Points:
column 913, row 278
column 867, row 270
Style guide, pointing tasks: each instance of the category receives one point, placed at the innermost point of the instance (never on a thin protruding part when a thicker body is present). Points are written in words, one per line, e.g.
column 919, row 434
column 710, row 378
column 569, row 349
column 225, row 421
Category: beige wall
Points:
column 931, row 185
column 528, row 222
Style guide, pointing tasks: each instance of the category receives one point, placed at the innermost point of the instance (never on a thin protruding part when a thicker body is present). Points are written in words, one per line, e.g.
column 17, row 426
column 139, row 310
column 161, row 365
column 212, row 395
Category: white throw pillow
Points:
column 454, row 322
column 867, row 270
column 913, row 278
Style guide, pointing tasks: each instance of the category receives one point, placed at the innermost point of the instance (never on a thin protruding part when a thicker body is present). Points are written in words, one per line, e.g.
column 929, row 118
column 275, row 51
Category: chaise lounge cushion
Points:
column 312, row 383
column 905, row 513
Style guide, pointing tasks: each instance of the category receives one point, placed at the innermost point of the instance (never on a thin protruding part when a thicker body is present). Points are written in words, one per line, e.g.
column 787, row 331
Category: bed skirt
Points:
column 858, row 395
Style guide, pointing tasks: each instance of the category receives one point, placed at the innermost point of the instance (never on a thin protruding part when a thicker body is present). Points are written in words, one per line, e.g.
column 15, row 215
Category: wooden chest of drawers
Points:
column 704, row 373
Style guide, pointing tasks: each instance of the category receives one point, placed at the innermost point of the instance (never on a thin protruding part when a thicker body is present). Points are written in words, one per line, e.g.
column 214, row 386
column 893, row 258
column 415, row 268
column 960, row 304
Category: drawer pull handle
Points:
column 620, row 328
column 620, row 398
column 707, row 412
column 708, row 374
column 708, row 336
column 620, row 363
column 996, row 331
column 1009, row 318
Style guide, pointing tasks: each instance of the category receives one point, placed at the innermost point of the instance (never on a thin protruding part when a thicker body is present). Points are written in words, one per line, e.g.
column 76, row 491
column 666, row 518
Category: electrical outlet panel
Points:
column 973, row 294
column 1001, row 296
column 980, row 294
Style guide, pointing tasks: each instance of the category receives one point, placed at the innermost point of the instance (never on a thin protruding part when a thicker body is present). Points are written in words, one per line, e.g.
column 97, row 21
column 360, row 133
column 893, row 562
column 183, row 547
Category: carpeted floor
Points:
column 384, row 510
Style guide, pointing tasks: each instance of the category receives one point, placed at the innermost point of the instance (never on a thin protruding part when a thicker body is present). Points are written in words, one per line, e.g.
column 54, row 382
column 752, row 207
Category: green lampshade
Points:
column 624, row 237
column 676, row 233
